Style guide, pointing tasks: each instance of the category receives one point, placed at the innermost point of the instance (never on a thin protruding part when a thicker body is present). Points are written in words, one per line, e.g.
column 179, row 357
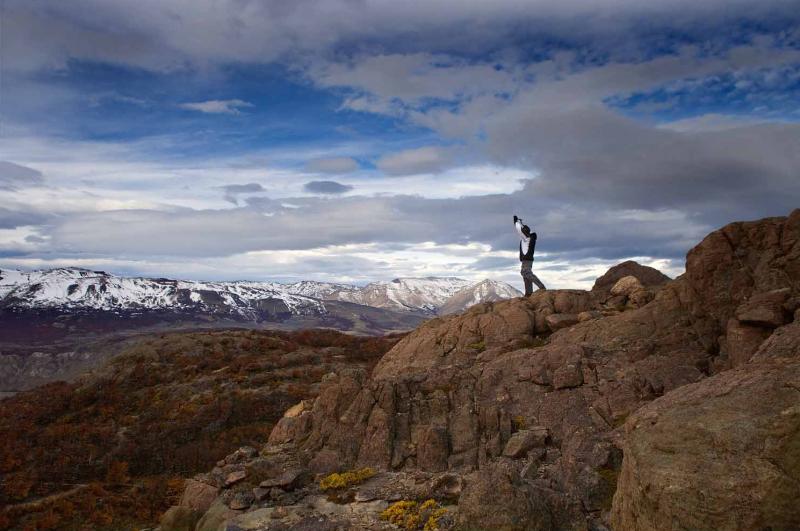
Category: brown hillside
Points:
column 110, row 450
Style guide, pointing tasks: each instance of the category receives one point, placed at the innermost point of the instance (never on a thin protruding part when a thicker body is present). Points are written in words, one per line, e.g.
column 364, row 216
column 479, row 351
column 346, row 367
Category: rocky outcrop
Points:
column 722, row 454
column 648, row 276
column 527, row 413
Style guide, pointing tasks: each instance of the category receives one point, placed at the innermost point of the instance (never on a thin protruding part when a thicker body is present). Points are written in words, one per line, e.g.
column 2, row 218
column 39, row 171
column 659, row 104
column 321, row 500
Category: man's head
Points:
column 526, row 230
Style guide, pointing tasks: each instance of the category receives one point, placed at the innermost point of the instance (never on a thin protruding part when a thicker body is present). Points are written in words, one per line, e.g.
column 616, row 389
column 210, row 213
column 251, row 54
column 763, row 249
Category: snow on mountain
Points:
column 484, row 291
column 73, row 288
column 425, row 294
column 404, row 294
column 428, row 295
column 321, row 290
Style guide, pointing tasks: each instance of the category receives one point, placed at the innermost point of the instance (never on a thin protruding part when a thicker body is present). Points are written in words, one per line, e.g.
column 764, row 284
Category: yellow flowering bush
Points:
column 412, row 516
column 343, row 480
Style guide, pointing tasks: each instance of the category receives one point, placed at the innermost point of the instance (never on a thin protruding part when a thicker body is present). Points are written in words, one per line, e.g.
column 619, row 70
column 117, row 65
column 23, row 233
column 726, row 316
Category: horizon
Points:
column 356, row 142
column 201, row 280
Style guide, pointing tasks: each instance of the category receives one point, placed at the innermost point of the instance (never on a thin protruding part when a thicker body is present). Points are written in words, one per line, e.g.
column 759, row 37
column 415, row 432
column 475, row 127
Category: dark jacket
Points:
column 527, row 244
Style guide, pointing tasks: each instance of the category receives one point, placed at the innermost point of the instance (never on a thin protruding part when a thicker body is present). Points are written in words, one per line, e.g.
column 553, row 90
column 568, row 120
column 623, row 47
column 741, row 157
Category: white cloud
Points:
column 217, row 106
column 428, row 159
column 453, row 183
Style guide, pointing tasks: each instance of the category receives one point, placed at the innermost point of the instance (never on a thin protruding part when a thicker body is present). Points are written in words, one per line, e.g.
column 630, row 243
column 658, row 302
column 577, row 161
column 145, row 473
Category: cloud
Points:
column 327, row 187
column 166, row 35
column 411, row 78
column 13, row 218
column 428, row 159
column 13, row 176
column 606, row 127
column 265, row 224
column 711, row 122
column 585, row 152
column 233, row 191
column 333, row 165
column 217, row 106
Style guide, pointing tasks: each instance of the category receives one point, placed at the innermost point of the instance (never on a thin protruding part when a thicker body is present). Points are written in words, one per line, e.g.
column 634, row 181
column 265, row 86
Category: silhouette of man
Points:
column 527, row 244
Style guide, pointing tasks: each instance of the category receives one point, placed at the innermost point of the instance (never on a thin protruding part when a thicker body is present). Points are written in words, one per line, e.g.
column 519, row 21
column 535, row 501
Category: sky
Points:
column 362, row 140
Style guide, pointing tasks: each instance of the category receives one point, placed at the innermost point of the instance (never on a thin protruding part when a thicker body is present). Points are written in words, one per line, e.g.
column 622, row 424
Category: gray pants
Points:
column 529, row 278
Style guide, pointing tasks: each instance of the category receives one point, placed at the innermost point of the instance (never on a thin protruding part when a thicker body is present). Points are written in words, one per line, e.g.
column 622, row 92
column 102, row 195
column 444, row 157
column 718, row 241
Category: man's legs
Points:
column 537, row 281
column 527, row 276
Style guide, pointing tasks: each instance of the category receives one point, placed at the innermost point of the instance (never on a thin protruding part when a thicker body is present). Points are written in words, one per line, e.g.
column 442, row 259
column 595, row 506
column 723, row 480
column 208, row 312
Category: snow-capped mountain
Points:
column 484, row 291
column 322, row 290
column 425, row 295
column 73, row 288
column 82, row 289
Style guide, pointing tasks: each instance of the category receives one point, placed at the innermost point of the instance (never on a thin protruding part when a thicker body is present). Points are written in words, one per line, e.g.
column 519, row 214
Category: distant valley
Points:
column 57, row 323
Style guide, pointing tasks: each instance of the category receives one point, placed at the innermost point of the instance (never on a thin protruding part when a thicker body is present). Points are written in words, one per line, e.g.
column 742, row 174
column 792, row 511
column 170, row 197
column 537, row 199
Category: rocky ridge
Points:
column 640, row 405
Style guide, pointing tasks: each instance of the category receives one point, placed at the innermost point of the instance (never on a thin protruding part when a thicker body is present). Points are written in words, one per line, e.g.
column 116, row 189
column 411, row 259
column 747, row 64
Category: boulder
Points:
column 287, row 480
column 216, row 516
column 295, row 424
column 235, row 477
column 524, row 440
column 721, row 454
column 241, row 500
column 260, row 494
column 198, row 495
column 647, row 276
column 179, row 518
column 639, row 298
column 557, row 321
column 626, row 286
column 567, row 301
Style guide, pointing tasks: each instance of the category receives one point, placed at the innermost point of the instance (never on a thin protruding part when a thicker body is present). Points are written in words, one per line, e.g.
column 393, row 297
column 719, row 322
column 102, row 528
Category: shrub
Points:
column 346, row 479
column 413, row 516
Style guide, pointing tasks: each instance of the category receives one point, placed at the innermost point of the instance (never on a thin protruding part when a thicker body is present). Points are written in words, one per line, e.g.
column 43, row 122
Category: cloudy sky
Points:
column 357, row 140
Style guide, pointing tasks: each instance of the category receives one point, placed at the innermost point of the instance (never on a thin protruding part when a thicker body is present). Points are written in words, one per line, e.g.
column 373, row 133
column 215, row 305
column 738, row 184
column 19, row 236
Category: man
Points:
column 527, row 244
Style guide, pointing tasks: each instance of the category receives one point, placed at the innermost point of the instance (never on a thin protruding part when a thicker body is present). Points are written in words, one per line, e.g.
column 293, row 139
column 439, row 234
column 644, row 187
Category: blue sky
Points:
column 356, row 141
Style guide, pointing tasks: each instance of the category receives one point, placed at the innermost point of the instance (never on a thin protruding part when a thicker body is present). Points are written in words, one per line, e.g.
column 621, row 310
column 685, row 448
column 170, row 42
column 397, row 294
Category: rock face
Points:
column 528, row 416
column 496, row 499
column 721, row 454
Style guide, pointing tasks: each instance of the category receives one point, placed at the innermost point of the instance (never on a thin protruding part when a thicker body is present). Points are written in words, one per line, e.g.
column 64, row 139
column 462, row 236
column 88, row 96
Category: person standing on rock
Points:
column 527, row 244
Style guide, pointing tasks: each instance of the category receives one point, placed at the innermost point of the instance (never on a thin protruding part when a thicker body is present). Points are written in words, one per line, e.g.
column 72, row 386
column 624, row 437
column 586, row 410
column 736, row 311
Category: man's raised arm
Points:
column 518, row 226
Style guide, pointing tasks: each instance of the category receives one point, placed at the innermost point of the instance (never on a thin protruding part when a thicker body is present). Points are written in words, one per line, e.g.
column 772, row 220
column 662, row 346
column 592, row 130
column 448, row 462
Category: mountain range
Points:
column 56, row 323
column 83, row 289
